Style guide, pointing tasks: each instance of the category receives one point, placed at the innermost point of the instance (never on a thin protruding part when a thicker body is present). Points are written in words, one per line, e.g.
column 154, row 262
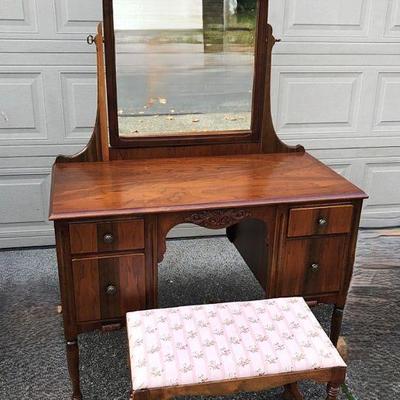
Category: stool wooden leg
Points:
column 333, row 391
column 73, row 367
column 140, row 395
column 292, row 392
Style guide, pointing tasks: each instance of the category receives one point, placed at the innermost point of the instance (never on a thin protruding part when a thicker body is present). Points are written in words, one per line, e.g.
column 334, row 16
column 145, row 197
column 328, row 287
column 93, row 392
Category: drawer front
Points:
column 320, row 220
column 108, row 287
column 313, row 266
column 96, row 237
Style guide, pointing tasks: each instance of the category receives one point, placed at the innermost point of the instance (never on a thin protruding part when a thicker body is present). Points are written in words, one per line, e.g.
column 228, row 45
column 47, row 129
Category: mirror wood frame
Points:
column 231, row 137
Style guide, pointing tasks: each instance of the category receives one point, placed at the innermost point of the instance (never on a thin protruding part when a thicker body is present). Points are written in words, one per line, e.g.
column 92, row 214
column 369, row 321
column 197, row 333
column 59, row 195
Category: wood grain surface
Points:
column 175, row 184
column 326, row 254
column 92, row 277
column 305, row 221
column 89, row 237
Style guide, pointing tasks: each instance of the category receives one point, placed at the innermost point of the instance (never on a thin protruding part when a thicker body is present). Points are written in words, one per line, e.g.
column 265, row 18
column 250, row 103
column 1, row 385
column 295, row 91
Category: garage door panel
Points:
column 335, row 89
column 26, row 196
column 392, row 26
column 342, row 103
column 24, row 199
column 327, row 18
column 49, row 19
column 387, row 109
column 318, row 101
column 22, row 108
column 47, row 105
column 18, row 16
column 79, row 101
column 76, row 16
column 336, row 21
column 381, row 180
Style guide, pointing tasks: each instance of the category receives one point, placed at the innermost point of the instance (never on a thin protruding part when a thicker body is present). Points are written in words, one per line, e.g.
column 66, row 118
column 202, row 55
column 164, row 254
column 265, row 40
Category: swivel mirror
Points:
column 184, row 71
column 185, row 67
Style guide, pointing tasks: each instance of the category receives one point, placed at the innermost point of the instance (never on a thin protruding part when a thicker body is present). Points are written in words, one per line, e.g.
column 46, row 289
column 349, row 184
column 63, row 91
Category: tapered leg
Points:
column 333, row 391
column 336, row 324
column 73, row 368
column 292, row 392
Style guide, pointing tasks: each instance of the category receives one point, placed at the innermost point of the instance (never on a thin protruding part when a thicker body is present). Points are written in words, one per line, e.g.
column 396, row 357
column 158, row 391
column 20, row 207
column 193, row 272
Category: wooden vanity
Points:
column 293, row 219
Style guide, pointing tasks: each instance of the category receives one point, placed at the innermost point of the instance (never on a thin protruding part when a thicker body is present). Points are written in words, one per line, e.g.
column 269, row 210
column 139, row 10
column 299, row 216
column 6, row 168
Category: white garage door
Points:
column 336, row 90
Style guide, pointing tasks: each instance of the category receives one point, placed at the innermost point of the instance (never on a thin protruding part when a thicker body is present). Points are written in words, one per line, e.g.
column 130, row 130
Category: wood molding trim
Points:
column 217, row 219
column 335, row 377
column 97, row 149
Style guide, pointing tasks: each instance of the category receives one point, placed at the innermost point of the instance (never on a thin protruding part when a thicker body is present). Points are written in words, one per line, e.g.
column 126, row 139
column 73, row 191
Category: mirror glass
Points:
column 184, row 67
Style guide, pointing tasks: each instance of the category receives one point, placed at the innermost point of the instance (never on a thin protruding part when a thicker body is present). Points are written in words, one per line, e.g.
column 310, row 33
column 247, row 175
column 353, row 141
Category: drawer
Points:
column 313, row 266
column 93, row 237
column 320, row 220
column 108, row 287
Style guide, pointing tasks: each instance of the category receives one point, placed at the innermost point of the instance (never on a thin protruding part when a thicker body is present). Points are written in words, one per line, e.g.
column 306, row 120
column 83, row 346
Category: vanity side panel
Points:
column 254, row 240
column 66, row 279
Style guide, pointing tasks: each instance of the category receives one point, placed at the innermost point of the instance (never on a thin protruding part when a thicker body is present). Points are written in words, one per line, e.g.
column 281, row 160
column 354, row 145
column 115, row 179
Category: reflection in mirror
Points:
column 184, row 66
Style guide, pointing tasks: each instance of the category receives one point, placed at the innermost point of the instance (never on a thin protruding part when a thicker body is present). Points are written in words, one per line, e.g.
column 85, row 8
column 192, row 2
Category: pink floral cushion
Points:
column 206, row 343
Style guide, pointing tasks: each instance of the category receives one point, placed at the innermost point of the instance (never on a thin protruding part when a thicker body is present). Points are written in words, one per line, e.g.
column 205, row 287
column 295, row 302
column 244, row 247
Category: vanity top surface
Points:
column 98, row 189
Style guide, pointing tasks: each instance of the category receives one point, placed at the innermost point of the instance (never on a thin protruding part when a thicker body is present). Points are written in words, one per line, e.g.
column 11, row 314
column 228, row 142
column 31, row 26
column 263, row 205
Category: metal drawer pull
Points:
column 111, row 290
column 322, row 222
column 108, row 238
column 314, row 267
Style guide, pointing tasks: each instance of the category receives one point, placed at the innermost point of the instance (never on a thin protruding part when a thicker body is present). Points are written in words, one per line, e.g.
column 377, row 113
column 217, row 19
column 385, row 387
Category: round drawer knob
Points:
column 111, row 290
column 108, row 238
column 314, row 267
column 322, row 222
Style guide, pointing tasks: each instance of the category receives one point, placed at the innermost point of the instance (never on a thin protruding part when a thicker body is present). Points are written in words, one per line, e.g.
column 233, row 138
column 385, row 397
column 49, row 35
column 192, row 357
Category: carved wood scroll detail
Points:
column 217, row 219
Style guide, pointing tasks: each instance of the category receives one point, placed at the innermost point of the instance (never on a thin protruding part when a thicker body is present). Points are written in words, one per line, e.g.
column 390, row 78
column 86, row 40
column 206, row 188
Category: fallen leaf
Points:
column 150, row 102
column 195, row 120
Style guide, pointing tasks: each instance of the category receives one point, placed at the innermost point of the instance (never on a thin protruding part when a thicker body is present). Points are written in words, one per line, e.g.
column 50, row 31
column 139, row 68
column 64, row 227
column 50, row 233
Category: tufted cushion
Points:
column 206, row 343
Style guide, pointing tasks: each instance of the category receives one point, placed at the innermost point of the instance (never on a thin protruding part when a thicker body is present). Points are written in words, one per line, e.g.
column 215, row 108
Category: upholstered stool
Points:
column 226, row 348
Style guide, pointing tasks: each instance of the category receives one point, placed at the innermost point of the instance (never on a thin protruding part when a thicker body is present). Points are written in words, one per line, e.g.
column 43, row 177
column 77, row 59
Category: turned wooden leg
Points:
column 292, row 392
column 333, row 391
column 336, row 324
column 73, row 368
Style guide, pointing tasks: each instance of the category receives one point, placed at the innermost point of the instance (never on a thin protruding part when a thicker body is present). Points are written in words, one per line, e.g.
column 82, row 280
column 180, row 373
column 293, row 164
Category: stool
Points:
column 219, row 349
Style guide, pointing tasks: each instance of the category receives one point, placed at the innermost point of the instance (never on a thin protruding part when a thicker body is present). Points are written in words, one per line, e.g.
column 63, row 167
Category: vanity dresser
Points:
column 184, row 134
